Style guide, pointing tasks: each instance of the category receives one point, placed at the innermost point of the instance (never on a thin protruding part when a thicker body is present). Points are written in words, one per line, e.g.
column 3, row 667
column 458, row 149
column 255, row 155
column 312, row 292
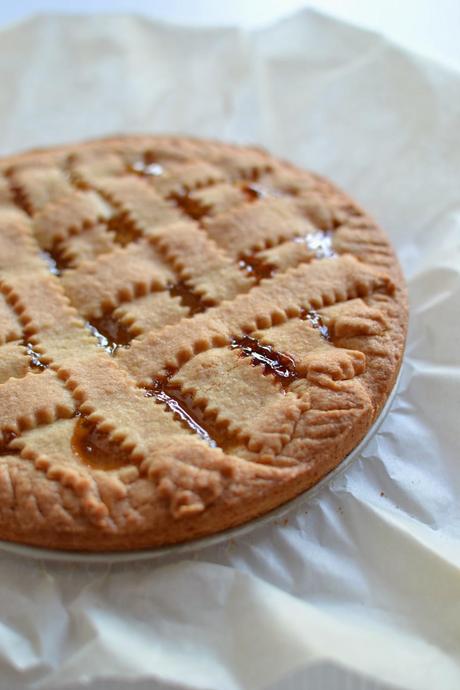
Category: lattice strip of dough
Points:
column 139, row 201
column 89, row 167
column 69, row 215
column 201, row 264
column 238, row 397
column 286, row 255
column 310, row 286
column 150, row 312
column 53, row 327
column 40, row 186
column 256, row 226
column 110, row 399
column 19, row 252
column 218, row 198
column 185, row 245
column 105, row 393
column 14, row 361
column 314, row 356
column 33, row 400
column 9, row 211
column 248, row 164
column 184, row 178
column 98, row 286
column 86, row 246
column 9, row 325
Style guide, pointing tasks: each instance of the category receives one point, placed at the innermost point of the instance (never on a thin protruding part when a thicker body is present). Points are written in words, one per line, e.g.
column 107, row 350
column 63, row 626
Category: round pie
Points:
column 191, row 333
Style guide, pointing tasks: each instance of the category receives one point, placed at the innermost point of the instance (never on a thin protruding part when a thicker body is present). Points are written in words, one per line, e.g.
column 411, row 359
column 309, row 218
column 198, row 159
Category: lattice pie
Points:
column 191, row 333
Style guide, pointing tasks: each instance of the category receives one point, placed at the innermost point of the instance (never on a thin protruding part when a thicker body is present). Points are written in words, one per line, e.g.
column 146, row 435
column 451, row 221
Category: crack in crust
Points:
column 148, row 234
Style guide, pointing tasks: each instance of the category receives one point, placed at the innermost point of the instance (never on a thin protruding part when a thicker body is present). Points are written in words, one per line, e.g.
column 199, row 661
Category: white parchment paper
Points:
column 363, row 583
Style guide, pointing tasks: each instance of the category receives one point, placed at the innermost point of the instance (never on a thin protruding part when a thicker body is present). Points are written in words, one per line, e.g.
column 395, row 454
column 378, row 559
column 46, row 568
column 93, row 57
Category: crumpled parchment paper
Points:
column 361, row 587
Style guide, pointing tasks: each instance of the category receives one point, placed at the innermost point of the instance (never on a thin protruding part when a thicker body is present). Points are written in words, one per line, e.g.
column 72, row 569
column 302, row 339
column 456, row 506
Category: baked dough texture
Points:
column 191, row 334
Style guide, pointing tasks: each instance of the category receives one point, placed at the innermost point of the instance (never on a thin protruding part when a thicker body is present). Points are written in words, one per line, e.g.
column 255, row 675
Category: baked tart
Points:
column 191, row 334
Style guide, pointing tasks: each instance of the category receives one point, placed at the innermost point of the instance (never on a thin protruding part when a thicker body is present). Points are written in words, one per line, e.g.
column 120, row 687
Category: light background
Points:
column 430, row 27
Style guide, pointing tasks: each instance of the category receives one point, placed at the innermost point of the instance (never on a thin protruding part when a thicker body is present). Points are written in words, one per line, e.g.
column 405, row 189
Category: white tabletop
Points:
column 427, row 26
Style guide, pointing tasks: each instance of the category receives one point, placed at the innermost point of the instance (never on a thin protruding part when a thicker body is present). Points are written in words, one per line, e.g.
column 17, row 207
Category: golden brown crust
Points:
column 191, row 333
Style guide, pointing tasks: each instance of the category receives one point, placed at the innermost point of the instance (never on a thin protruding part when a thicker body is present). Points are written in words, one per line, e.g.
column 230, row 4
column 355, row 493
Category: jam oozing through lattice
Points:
column 191, row 206
column 52, row 262
column 319, row 242
column 256, row 267
column 19, row 197
column 277, row 363
column 5, row 439
column 316, row 321
column 110, row 333
column 35, row 358
column 180, row 405
column 96, row 449
column 188, row 298
column 147, row 166
column 124, row 231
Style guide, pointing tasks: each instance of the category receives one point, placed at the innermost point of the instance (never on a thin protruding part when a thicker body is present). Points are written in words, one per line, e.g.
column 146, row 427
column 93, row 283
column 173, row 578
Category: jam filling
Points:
column 277, row 363
column 319, row 242
column 123, row 229
column 146, row 166
column 316, row 321
column 181, row 406
column 8, row 436
column 256, row 267
column 35, row 358
column 188, row 298
column 52, row 262
column 110, row 333
column 20, row 198
column 96, row 449
column 254, row 174
column 193, row 208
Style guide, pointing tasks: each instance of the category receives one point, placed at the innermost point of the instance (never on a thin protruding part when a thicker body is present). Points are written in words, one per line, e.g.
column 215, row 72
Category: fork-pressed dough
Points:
column 191, row 333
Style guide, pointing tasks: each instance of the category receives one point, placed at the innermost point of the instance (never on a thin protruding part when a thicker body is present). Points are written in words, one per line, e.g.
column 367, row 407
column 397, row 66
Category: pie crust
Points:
column 191, row 333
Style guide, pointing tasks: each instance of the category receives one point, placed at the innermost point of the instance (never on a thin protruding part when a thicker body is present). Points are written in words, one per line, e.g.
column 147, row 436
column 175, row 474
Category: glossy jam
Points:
column 188, row 298
column 146, row 167
column 316, row 321
column 192, row 207
column 256, row 267
column 124, row 231
column 52, row 262
column 95, row 449
column 110, row 333
column 277, row 363
column 36, row 361
column 319, row 242
column 8, row 436
column 181, row 406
